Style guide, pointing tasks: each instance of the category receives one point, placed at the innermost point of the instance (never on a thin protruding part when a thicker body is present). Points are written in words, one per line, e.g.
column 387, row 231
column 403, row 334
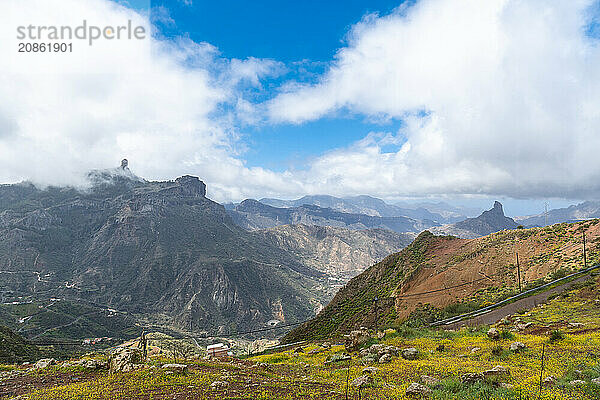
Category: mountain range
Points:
column 127, row 251
column 252, row 214
column 581, row 211
column 437, row 212
column 158, row 250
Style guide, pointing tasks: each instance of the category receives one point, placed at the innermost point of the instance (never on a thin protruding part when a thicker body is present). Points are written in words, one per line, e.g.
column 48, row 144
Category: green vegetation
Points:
column 15, row 349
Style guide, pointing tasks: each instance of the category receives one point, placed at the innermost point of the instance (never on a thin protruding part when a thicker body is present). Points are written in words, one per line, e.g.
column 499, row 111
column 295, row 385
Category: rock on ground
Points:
column 498, row 370
column 180, row 368
column 550, row 381
column 493, row 334
column 386, row 358
column 577, row 382
column 410, row 354
column 471, row 378
column 44, row 363
column 517, row 346
column 126, row 359
column 416, row 389
column 355, row 339
column 362, row 381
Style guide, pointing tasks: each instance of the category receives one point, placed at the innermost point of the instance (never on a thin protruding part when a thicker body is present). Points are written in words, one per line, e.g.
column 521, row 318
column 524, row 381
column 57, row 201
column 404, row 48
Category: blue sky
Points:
column 435, row 99
column 304, row 35
column 285, row 30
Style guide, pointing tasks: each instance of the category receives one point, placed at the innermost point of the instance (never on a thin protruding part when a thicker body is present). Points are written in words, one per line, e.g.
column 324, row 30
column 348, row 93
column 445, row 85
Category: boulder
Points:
column 44, row 363
column 386, row 358
column 126, row 359
column 377, row 349
column 370, row 358
column 392, row 350
column 550, row 381
column 92, row 364
column 471, row 378
column 410, row 353
column 596, row 381
column 337, row 357
column 493, row 334
column 475, row 350
column 517, row 347
column 429, row 380
column 179, row 368
column 355, row 339
column 416, row 389
column 498, row 371
column 577, row 382
column 364, row 352
column 362, row 381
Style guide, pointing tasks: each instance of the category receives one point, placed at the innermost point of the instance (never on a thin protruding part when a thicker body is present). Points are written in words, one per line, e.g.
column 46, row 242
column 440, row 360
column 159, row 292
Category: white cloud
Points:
column 155, row 102
column 501, row 97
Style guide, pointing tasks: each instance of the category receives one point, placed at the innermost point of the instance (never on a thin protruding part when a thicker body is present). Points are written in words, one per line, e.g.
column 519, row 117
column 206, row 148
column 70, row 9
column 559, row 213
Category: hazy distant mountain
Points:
column 339, row 252
column 451, row 213
column 359, row 205
column 582, row 211
column 488, row 222
column 158, row 250
column 251, row 214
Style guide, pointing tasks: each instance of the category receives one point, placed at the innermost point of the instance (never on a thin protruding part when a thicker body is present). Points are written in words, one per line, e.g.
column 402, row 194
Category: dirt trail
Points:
column 509, row 309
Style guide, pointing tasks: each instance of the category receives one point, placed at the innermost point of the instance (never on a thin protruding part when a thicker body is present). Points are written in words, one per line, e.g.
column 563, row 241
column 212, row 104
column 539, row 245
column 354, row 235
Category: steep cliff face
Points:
column 160, row 250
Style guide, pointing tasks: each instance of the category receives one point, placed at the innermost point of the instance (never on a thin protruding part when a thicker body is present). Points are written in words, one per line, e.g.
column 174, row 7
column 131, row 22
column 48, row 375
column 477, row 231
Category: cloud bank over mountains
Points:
column 498, row 97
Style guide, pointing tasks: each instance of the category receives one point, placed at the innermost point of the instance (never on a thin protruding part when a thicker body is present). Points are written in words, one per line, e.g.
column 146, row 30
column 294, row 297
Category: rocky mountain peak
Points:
column 498, row 208
column 191, row 186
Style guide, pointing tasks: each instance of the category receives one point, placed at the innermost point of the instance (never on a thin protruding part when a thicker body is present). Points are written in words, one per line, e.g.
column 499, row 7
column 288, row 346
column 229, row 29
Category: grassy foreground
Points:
column 568, row 326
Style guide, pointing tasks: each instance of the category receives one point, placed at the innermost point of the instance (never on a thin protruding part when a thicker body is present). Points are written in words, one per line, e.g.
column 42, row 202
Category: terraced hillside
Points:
column 440, row 275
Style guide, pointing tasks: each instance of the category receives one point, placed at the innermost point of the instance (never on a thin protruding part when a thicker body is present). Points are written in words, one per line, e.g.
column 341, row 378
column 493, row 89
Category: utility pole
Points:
column 376, row 313
column 546, row 213
column 518, row 272
column 542, row 369
column 584, row 255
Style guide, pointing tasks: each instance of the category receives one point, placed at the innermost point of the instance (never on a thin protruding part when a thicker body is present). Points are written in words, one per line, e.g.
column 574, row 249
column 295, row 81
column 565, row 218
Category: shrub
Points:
column 556, row 335
column 504, row 334
column 497, row 350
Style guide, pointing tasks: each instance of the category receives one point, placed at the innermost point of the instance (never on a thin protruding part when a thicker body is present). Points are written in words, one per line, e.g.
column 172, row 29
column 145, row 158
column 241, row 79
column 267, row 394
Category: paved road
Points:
column 529, row 302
